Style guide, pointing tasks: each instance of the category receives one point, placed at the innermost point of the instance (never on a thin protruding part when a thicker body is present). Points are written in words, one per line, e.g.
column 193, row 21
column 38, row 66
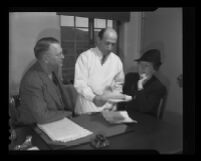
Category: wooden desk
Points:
column 148, row 133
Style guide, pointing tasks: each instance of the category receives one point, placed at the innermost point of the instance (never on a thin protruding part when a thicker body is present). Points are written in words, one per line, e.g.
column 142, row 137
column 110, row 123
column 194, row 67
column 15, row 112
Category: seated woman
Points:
column 143, row 86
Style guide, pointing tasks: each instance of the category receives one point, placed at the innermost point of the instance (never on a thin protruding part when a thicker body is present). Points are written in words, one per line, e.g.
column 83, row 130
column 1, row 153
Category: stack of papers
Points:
column 117, row 117
column 64, row 130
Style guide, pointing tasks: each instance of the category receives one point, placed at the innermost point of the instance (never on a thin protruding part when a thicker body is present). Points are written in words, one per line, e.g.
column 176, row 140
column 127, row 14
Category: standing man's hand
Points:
column 99, row 100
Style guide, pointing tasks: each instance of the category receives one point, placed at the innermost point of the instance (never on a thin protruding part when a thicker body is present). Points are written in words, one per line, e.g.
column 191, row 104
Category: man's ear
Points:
column 45, row 58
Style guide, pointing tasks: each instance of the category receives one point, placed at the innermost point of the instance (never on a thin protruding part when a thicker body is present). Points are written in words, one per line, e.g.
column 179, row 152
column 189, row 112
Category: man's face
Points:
column 145, row 68
column 107, row 43
column 55, row 55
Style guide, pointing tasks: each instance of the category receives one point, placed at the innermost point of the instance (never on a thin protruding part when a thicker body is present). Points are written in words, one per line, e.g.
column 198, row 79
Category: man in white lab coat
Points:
column 99, row 75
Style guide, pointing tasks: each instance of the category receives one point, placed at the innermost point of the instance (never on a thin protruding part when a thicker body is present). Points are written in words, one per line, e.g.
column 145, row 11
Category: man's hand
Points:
column 99, row 100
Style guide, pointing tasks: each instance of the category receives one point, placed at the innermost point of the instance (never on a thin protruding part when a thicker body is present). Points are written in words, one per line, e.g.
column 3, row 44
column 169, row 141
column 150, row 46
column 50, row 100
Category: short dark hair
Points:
column 101, row 33
column 43, row 45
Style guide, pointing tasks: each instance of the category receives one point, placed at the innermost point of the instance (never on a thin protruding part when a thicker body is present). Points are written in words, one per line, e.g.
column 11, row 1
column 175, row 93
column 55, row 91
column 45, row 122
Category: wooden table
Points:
column 148, row 133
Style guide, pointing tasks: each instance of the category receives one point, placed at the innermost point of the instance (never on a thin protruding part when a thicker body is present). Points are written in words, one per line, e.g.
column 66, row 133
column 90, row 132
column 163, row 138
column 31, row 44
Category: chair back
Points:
column 14, row 102
column 161, row 107
column 73, row 95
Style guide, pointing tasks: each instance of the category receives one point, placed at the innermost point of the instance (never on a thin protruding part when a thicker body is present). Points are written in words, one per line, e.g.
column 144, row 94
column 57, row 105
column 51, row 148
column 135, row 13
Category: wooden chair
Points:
column 73, row 95
column 161, row 107
column 14, row 103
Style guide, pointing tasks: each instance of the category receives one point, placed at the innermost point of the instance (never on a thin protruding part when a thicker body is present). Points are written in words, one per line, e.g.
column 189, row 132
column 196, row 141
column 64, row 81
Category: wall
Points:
column 25, row 28
column 163, row 29
column 130, row 39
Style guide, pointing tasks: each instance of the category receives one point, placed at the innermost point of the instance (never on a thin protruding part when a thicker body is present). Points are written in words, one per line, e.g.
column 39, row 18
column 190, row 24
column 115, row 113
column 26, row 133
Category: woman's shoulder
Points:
column 132, row 75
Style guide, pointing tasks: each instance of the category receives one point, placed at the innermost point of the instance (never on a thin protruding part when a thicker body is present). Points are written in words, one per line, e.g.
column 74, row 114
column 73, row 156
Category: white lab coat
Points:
column 91, row 79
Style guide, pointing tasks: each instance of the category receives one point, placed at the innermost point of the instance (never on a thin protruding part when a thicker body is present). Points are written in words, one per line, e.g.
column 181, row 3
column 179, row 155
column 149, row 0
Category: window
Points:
column 77, row 35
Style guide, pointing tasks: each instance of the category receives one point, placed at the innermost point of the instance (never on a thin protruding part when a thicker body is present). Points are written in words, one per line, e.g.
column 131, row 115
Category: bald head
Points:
column 107, row 32
column 107, row 40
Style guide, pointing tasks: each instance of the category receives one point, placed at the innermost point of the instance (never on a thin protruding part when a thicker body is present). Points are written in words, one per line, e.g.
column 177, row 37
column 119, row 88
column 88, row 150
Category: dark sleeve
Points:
column 130, row 81
column 128, row 88
column 148, row 101
column 68, row 94
column 32, row 96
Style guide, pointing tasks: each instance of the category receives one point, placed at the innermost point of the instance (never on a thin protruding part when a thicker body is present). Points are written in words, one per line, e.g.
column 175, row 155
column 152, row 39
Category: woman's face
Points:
column 145, row 68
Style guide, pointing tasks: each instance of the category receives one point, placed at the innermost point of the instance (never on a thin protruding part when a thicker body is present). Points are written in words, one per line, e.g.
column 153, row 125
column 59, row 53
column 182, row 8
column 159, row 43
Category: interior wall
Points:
column 130, row 41
column 25, row 28
column 162, row 29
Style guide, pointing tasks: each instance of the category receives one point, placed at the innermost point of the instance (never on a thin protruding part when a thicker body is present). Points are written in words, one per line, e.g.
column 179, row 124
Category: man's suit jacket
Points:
column 146, row 100
column 41, row 100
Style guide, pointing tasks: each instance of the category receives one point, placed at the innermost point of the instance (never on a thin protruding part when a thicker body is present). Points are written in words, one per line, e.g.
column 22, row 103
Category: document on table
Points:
column 64, row 130
column 117, row 117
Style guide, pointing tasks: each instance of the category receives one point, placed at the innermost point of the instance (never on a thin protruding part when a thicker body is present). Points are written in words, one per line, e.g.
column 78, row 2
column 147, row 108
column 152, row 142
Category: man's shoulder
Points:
column 30, row 77
column 115, row 57
column 86, row 53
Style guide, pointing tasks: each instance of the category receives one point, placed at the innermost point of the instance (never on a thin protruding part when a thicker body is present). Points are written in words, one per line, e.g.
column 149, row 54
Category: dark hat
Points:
column 152, row 55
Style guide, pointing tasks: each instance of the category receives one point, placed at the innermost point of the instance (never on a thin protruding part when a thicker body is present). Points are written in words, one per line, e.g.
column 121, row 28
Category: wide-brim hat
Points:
column 152, row 55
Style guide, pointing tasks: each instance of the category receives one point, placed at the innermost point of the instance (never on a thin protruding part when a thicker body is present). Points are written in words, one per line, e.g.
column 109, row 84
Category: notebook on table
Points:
column 93, row 123
column 64, row 130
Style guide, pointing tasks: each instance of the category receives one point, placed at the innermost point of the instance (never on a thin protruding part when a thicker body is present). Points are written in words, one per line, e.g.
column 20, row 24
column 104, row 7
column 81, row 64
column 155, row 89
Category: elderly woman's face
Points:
column 145, row 68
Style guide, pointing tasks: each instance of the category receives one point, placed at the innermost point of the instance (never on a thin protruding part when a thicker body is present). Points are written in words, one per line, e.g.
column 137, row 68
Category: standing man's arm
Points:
column 81, row 78
column 119, row 78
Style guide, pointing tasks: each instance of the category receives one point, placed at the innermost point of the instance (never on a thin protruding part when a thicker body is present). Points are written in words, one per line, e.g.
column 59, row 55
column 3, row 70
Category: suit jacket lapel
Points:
column 65, row 96
column 50, row 87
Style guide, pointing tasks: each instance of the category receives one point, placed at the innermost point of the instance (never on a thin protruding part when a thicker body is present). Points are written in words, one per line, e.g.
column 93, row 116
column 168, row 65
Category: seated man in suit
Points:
column 143, row 86
column 43, row 97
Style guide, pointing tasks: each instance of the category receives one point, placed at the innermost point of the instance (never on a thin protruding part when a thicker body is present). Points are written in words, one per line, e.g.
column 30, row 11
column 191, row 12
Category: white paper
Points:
column 117, row 117
column 64, row 130
column 127, row 98
column 33, row 148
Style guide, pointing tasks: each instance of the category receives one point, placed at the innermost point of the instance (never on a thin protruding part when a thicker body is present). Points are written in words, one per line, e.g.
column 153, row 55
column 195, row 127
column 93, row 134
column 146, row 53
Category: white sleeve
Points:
column 81, row 77
column 119, row 78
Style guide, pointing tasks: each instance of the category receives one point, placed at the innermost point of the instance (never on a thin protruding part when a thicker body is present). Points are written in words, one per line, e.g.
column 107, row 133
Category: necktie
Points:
column 103, row 59
column 55, row 80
